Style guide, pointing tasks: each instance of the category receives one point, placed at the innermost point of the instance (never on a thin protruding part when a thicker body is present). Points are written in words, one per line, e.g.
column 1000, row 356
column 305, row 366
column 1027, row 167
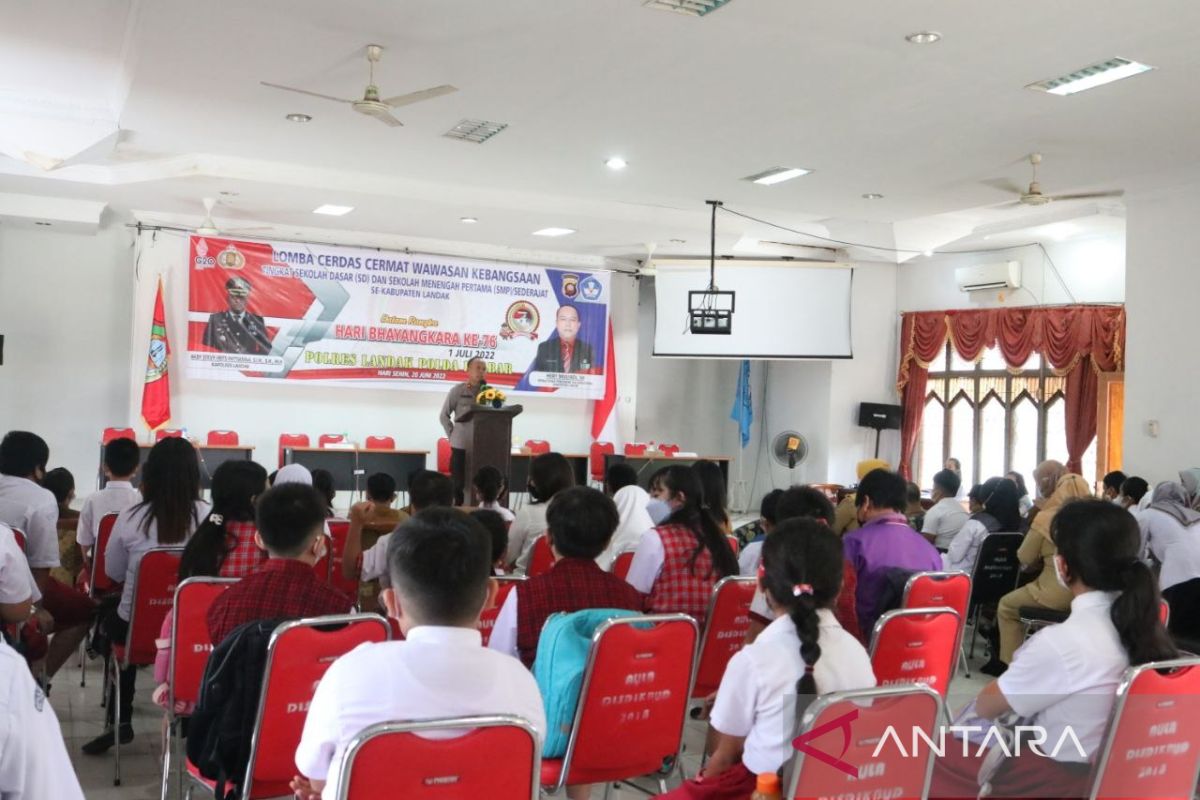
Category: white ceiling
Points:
column 693, row 104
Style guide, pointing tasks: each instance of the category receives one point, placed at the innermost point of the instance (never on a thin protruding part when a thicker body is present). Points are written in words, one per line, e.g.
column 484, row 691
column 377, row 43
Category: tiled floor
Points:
column 82, row 718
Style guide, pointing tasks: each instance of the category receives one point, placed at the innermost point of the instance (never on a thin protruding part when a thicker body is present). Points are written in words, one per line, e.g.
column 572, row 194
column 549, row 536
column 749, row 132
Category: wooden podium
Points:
column 491, row 440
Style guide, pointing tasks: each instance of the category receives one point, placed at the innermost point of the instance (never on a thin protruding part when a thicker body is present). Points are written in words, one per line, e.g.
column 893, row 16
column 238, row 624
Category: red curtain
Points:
column 1076, row 341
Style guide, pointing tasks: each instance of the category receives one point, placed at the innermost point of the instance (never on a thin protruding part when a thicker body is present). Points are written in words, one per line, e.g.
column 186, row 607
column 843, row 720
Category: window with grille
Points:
column 992, row 418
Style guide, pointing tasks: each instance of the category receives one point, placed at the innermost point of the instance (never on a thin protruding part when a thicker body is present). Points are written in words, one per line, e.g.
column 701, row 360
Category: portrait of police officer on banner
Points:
column 237, row 330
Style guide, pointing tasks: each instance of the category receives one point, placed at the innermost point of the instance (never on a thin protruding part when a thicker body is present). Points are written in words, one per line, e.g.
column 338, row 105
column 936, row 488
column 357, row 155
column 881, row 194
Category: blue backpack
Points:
column 562, row 654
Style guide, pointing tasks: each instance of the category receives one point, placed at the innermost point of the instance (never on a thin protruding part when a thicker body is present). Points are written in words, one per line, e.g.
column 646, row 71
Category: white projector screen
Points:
column 782, row 309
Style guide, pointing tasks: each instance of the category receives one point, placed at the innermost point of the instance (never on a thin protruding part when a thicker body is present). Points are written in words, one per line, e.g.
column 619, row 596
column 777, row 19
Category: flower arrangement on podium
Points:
column 490, row 396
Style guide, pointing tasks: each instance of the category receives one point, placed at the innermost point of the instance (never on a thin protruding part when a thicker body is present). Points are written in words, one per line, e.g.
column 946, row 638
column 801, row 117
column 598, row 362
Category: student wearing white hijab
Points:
column 635, row 520
column 1166, row 521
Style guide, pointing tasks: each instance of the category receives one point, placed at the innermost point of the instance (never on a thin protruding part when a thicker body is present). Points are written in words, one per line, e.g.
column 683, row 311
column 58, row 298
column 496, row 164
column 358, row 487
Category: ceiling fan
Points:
column 1032, row 196
column 208, row 227
column 371, row 104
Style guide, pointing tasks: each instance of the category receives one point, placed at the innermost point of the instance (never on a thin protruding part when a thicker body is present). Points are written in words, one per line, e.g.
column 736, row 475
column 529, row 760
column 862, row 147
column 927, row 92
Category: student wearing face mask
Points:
column 1111, row 486
column 1066, row 676
column 678, row 563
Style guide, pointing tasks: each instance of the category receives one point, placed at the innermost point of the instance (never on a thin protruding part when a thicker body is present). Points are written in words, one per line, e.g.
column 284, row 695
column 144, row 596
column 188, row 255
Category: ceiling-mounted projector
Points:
column 711, row 311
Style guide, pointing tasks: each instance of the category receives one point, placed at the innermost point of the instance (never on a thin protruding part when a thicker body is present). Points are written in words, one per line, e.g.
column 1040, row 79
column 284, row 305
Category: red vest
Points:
column 680, row 588
column 572, row 584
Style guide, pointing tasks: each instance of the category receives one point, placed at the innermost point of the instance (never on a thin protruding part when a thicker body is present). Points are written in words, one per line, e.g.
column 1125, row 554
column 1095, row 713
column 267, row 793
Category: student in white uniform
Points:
column 947, row 516
column 121, row 458
column 620, row 483
column 1066, row 675
column 549, row 474
column 440, row 582
column 170, row 511
column 18, row 591
column 751, row 555
column 1133, row 491
column 33, row 758
column 426, row 489
column 1169, row 519
column 487, row 486
column 995, row 507
column 803, row 653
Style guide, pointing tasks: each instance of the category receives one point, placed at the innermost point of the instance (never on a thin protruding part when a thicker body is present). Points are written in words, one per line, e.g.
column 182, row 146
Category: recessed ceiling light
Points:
column 1089, row 77
column 554, row 232
column 692, row 8
column 616, row 162
column 776, row 175
column 468, row 220
column 299, row 118
column 333, row 211
column 475, row 130
column 872, row 196
column 923, row 37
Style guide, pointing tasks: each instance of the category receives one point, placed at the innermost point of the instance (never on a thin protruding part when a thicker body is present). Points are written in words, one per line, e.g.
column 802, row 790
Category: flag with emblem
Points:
column 156, row 391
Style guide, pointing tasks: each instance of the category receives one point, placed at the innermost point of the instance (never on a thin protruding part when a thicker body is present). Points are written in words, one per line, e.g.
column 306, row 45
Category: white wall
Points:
column 260, row 413
column 1092, row 268
column 65, row 301
column 1161, row 381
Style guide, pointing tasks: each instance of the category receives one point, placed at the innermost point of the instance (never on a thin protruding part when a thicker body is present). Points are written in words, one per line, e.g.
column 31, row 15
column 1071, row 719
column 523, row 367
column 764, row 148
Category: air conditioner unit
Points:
column 982, row 277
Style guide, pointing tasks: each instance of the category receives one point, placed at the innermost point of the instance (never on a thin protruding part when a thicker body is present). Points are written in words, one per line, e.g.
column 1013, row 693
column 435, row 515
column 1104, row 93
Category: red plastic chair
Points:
column 298, row 655
column 168, row 433
column 622, row 563
column 222, row 439
column 117, row 433
column 725, row 630
column 596, row 454
column 291, row 440
column 499, row 757
column 1164, row 613
column 339, row 529
column 1157, row 706
column 635, row 449
column 487, row 620
column 668, row 449
column 734, row 544
column 542, row 559
column 653, row 656
column 153, row 596
column 190, row 647
column 936, row 589
column 380, row 443
column 326, row 439
column 917, row 645
column 19, row 536
column 100, row 582
column 854, row 724
column 443, row 456
column 537, row 446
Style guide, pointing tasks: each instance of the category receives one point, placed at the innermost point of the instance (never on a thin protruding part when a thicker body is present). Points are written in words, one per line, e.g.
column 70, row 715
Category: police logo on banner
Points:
column 231, row 258
column 570, row 286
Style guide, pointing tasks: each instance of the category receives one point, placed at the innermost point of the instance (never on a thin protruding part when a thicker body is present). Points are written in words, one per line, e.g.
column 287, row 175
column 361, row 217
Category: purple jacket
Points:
column 884, row 543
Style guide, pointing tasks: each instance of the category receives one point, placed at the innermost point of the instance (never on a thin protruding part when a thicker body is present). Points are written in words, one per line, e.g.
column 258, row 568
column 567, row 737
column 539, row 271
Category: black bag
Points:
column 221, row 727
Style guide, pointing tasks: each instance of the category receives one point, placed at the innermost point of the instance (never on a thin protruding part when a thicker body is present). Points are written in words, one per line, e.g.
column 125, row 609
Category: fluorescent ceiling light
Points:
column 692, row 8
column 1091, row 76
column 616, row 162
column 776, row 175
column 477, row 131
column 299, row 118
column 554, row 232
column 872, row 196
column 923, row 37
column 333, row 211
column 468, row 220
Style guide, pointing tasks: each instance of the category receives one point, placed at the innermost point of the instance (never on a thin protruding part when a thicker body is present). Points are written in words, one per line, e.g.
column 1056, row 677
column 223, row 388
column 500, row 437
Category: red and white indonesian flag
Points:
column 604, row 416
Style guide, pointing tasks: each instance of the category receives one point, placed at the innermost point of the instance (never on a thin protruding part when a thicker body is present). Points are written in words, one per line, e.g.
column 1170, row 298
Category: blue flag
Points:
column 743, row 407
